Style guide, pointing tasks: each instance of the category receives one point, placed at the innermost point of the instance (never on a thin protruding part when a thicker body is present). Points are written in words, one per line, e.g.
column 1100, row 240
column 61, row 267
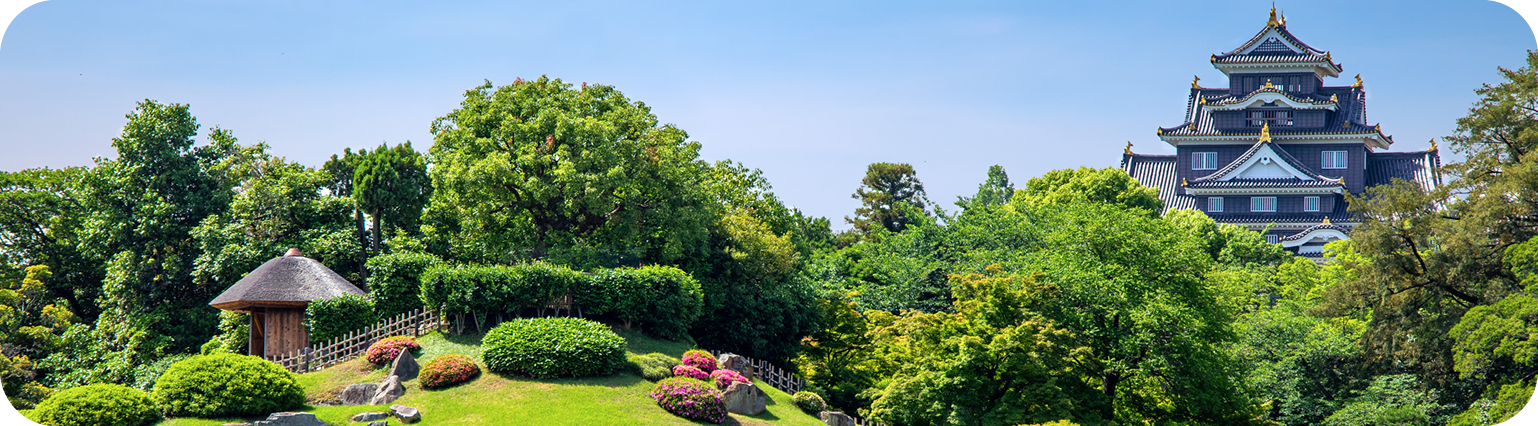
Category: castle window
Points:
column 1204, row 161
column 1334, row 160
column 1215, row 204
column 1311, row 204
column 1274, row 117
column 1271, row 238
column 1294, row 84
column 1262, row 204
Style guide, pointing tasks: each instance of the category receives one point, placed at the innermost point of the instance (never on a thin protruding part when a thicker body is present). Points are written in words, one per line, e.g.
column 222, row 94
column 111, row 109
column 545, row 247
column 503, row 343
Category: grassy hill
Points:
column 493, row 399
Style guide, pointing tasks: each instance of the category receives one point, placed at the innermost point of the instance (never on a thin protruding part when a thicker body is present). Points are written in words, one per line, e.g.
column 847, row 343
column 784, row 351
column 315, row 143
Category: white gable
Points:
column 1270, row 39
column 1314, row 241
column 1265, row 164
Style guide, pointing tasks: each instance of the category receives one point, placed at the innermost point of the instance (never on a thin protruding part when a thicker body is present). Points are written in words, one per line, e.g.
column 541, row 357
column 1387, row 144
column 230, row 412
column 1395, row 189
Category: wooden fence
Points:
column 783, row 380
column 351, row 345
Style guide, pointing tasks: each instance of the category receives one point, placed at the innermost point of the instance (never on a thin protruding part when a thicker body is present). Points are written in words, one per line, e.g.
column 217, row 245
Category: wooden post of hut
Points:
column 276, row 294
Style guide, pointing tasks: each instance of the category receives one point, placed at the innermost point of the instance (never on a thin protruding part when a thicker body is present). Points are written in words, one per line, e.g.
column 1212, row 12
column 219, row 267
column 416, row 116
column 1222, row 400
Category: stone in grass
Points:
column 290, row 419
column 736, row 363
column 406, row 414
column 744, row 398
column 370, row 416
column 834, row 418
column 379, row 423
column 389, row 390
column 236, row 424
column 358, row 393
column 405, row 366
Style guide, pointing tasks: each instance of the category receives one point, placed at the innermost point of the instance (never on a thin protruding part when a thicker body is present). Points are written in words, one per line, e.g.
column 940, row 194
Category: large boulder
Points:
column 834, row 418
column 744, row 398
column 736, row 363
column 358, row 393
column 370, row 416
column 290, row 419
column 404, row 366
column 390, row 389
column 406, row 414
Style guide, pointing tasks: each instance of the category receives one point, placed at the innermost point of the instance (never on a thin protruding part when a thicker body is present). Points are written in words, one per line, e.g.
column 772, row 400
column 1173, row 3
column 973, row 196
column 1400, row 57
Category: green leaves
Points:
column 327, row 319
column 891, row 197
column 553, row 347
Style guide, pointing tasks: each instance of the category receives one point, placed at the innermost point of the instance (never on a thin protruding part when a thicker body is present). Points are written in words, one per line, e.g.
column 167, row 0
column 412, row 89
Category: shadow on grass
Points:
column 469, row 338
column 619, row 379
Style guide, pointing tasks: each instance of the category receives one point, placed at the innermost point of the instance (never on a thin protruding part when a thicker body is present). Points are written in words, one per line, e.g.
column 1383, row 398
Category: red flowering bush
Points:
column 386, row 349
column 725, row 377
column 690, row 399
column 690, row 372
column 448, row 370
column 701, row 360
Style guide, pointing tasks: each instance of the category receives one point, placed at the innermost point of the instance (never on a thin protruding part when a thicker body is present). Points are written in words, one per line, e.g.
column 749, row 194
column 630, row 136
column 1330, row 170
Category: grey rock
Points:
column 405, row 366
column 236, row 424
column 389, row 390
column 290, row 419
column 743, row 398
column 406, row 414
column 358, row 393
column 379, row 423
column 736, row 363
column 834, row 418
column 370, row 416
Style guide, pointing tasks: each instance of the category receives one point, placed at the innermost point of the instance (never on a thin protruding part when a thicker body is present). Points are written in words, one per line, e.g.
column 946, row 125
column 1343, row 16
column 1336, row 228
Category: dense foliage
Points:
column 448, row 370
column 328, row 319
column 226, row 385
column 98, row 404
column 653, row 366
column 700, row 359
column 690, row 372
column 724, row 377
column 891, row 198
column 553, row 347
column 483, row 291
column 395, row 282
column 662, row 299
column 691, row 399
column 387, row 349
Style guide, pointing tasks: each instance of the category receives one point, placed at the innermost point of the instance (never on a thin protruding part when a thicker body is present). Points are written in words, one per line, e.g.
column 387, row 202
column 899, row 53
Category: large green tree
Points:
column 1108, row 185
column 891, row 197
column 996, row 190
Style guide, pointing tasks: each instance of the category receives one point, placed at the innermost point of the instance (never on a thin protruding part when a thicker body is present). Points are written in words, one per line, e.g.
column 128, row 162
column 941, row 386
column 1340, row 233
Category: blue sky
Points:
column 808, row 92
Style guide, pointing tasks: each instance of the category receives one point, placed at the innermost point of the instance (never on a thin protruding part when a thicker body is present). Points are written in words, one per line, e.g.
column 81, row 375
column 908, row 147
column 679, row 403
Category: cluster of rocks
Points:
column 285, row 419
column 741, row 398
column 378, row 418
column 402, row 369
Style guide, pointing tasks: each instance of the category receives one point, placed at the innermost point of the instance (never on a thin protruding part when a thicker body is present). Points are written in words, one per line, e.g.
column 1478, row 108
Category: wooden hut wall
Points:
column 285, row 331
column 258, row 332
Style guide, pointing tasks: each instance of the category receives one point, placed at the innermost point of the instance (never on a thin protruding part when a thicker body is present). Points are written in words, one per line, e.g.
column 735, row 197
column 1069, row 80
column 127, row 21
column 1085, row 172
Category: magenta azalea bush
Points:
column 691, row 399
column 725, row 377
column 385, row 350
column 448, row 370
column 701, row 360
column 690, row 372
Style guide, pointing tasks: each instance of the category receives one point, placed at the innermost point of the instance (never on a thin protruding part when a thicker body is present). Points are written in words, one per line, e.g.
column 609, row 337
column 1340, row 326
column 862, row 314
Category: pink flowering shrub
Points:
column 690, row 399
column 690, row 372
column 448, row 370
column 701, row 360
column 725, row 377
column 385, row 350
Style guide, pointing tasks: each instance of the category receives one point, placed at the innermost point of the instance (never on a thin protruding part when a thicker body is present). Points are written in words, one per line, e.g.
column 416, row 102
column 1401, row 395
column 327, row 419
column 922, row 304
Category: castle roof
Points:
column 1274, row 47
column 290, row 280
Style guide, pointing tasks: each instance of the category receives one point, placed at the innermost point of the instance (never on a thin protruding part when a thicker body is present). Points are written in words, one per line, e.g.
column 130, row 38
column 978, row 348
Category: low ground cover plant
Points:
column 725, row 377
column 448, row 370
column 553, row 347
column 653, row 366
column 809, row 402
column 385, row 350
column 226, row 385
column 99, row 404
column 691, row 399
column 700, row 359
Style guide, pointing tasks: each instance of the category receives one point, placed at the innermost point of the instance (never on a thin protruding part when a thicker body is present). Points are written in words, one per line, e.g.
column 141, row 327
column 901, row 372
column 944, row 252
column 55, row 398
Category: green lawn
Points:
column 492, row 399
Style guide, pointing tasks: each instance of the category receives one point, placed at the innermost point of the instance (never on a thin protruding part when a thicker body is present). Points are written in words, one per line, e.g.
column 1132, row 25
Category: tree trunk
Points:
column 1109, row 381
column 378, row 243
column 362, row 234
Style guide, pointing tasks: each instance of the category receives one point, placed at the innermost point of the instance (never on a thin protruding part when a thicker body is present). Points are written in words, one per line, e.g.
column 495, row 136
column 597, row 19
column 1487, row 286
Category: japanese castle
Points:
column 1276, row 150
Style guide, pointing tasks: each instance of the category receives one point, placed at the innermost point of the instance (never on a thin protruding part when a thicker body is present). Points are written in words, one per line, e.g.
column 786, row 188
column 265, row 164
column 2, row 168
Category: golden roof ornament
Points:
column 1272, row 21
column 1265, row 132
column 1200, row 100
column 1326, row 220
column 1281, row 19
column 1268, row 84
column 1194, row 79
column 1358, row 81
column 1333, row 100
column 1128, row 149
column 1159, row 130
column 1183, row 182
column 1433, row 144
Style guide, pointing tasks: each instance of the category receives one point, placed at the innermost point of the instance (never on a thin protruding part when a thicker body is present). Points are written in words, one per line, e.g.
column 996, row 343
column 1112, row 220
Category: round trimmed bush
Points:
column 385, row 350
column 691, row 399
column 553, row 347
column 653, row 366
column 701, row 360
column 690, row 372
column 226, row 385
column 448, row 370
column 725, row 377
column 100, row 404
column 809, row 402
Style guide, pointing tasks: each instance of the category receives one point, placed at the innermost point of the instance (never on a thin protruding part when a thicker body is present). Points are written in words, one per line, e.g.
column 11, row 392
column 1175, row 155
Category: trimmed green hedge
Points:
column 226, row 385
column 487, row 289
column 662, row 299
column 327, row 319
column 394, row 281
column 553, row 347
column 99, row 404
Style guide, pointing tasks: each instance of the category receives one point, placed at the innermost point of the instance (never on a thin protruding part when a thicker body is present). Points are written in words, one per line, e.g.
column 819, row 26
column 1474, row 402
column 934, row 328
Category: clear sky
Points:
column 808, row 92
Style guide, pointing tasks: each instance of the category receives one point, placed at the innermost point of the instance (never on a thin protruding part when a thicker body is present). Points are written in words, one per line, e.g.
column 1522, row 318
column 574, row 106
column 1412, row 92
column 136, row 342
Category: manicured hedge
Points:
column 327, row 319
column 394, row 281
column 489, row 289
column 553, row 347
column 448, row 370
column 662, row 299
column 653, row 366
column 99, row 404
column 226, row 385
column 809, row 402
column 691, row 399
column 385, row 350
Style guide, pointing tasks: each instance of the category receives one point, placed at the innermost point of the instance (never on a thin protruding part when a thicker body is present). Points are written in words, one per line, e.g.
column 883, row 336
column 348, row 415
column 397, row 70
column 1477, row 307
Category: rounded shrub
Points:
column 691, row 399
column 226, row 385
column 725, row 377
column 809, row 402
column 385, row 350
column 653, row 366
column 690, row 372
column 553, row 347
column 99, row 404
column 448, row 370
column 327, row 319
column 701, row 360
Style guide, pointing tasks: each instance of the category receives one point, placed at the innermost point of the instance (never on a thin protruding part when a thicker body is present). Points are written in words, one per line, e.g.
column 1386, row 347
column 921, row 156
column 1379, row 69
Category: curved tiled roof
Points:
column 1347, row 120
column 1266, row 53
column 1158, row 171
column 1269, row 88
column 1310, row 229
column 1417, row 167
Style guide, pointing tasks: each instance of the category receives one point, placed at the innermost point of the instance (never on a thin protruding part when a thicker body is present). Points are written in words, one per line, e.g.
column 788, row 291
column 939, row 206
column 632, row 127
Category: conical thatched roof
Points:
column 290, row 280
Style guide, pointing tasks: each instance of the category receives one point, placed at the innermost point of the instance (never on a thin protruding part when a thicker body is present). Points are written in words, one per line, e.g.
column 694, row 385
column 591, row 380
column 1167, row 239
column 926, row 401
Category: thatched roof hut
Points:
column 276, row 294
